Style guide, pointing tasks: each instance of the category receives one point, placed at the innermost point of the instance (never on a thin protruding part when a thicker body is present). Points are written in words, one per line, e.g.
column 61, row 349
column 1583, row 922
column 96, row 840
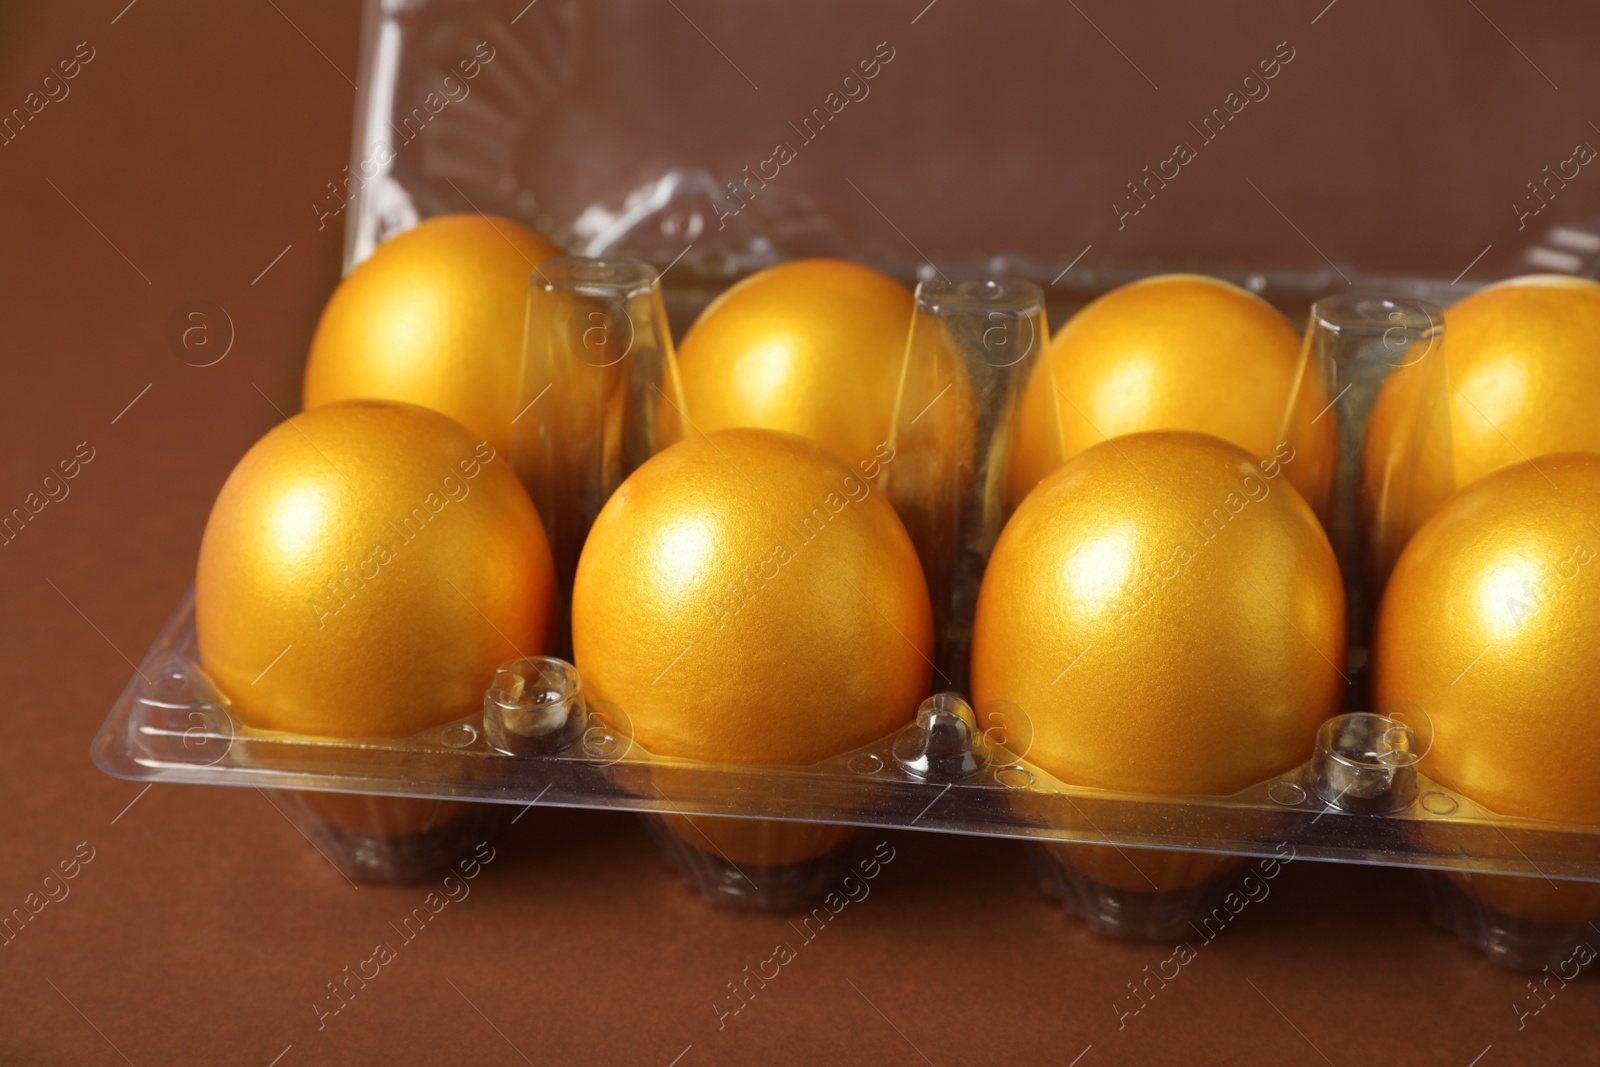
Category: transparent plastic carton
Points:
column 1131, row 865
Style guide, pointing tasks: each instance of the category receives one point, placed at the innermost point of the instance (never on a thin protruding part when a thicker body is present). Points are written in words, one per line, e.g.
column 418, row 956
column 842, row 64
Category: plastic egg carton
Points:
column 1363, row 795
column 1131, row 865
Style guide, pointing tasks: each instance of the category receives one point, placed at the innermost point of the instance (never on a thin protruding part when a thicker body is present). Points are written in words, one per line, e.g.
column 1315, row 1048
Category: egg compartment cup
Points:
column 600, row 394
column 773, row 880
column 1148, row 895
column 1457, row 904
column 370, row 838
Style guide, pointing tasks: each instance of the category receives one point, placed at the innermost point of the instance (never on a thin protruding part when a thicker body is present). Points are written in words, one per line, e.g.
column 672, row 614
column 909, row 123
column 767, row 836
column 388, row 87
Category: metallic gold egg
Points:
column 1486, row 635
column 434, row 317
column 365, row 568
column 1177, row 352
column 746, row 597
column 813, row 347
column 1162, row 615
column 1523, row 360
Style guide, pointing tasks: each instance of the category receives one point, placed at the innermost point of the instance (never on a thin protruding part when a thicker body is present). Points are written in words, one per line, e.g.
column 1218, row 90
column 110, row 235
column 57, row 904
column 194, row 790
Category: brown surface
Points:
column 204, row 927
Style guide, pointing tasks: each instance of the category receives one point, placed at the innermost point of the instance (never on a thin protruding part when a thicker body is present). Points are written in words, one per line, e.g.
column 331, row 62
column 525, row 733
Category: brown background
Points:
column 183, row 161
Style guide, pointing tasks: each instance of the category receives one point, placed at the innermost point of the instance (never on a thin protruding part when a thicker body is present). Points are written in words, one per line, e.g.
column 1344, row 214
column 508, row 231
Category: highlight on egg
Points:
column 1177, row 352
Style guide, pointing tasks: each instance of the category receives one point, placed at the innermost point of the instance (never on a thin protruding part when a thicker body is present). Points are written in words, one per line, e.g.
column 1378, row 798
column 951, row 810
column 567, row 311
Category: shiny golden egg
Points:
column 813, row 347
column 1177, row 352
column 1523, row 360
column 365, row 568
column 434, row 317
column 746, row 597
column 1486, row 638
column 1164, row 615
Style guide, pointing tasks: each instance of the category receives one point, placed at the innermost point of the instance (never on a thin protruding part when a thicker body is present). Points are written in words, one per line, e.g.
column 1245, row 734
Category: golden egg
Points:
column 1161, row 615
column 434, row 317
column 1486, row 635
column 812, row 347
column 1177, row 352
column 746, row 597
column 1523, row 360
column 365, row 568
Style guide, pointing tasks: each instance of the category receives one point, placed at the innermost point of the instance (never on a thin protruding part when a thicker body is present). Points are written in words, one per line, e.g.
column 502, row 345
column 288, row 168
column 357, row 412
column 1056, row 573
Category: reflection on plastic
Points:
column 972, row 346
column 943, row 744
column 1366, row 763
column 535, row 705
column 1389, row 431
column 597, row 364
column 608, row 738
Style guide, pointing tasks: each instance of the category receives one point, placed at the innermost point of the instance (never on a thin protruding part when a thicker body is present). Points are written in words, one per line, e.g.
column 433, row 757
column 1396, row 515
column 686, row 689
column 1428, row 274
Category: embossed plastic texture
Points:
column 600, row 345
